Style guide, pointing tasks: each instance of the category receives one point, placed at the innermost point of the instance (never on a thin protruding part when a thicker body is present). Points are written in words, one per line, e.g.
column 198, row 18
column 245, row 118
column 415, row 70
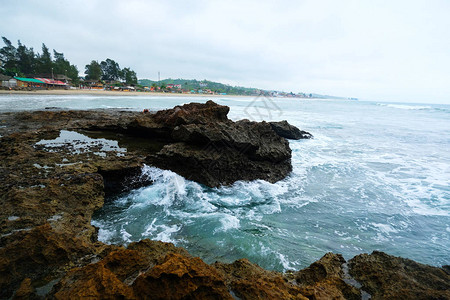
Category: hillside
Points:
column 204, row 86
column 193, row 84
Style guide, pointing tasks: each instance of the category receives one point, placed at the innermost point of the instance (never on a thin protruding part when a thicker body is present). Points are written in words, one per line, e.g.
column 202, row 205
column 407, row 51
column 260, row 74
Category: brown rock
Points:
column 25, row 291
column 92, row 282
column 38, row 253
column 330, row 265
column 323, row 279
column 198, row 113
column 286, row 130
column 249, row 281
column 330, row 288
column 179, row 277
column 389, row 277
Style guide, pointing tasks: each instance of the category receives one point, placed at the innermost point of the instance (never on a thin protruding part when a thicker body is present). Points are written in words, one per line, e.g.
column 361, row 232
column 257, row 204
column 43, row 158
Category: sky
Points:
column 372, row 49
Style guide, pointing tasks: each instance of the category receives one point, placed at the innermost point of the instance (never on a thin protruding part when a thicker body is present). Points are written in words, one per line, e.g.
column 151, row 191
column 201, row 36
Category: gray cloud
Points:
column 392, row 50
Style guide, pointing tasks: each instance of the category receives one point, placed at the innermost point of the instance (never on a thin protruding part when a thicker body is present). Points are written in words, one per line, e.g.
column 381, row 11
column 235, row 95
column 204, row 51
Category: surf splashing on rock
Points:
column 228, row 220
column 362, row 184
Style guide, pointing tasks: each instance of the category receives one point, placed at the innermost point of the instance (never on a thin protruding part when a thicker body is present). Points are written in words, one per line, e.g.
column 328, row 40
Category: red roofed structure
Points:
column 51, row 81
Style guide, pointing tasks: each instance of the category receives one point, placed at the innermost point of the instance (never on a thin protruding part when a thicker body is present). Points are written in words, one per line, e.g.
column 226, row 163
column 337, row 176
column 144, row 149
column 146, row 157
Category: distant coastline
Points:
column 110, row 93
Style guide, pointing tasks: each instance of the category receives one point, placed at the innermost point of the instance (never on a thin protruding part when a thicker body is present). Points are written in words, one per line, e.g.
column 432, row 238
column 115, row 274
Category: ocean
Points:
column 376, row 176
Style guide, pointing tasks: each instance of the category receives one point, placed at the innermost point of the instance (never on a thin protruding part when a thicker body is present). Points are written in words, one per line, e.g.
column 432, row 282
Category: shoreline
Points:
column 112, row 93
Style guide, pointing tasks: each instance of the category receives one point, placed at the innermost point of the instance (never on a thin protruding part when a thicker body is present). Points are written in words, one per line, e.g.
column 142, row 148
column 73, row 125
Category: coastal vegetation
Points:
column 23, row 61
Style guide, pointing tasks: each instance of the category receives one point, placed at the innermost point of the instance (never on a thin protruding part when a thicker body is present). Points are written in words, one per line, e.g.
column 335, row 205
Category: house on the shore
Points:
column 92, row 84
column 24, row 82
column 52, row 83
column 63, row 78
column 7, row 81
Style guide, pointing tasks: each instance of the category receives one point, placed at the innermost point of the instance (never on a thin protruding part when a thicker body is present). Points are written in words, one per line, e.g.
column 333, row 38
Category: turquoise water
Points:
column 376, row 176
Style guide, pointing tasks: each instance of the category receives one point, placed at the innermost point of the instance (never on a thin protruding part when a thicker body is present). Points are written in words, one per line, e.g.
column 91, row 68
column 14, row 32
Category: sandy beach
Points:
column 109, row 93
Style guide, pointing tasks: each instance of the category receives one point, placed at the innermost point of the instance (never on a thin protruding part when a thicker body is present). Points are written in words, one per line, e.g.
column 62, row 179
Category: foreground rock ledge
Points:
column 49, row 249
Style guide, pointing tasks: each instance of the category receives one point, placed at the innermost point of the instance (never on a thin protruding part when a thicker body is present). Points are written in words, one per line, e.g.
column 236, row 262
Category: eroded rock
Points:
column 389, row 277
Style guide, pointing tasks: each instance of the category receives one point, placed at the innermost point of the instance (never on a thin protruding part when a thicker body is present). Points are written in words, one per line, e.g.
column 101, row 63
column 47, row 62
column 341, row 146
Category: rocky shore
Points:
column 57, row 166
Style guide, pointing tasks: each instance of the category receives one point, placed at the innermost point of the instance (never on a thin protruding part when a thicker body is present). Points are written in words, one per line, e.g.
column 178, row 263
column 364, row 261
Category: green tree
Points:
column 63, row 66
column 93, row 71
column 44, row 61
column 110, row 69
column 8, row 58
column 26, row 59
column 60, row 64
column 72, row 73
column 129, row 76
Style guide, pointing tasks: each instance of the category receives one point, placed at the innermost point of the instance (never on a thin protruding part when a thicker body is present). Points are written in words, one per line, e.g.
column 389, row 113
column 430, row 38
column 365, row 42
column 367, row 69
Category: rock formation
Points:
column 286, row 130
column 49, row 191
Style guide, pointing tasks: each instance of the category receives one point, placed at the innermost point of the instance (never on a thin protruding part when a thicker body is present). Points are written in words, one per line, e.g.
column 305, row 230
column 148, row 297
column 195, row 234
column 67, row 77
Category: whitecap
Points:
column 228, row 222
column 384, row 228
column 166, row 233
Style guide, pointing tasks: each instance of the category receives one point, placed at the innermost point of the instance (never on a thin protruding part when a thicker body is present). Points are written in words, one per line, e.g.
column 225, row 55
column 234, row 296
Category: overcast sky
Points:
column 380, row 50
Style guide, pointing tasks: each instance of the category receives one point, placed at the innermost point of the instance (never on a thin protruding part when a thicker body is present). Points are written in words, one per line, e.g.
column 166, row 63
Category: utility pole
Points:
column 159, row 76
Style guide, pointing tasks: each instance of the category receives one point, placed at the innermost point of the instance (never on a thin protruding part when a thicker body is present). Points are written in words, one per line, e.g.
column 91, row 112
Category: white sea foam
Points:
column 104, row 234
column 125, row 235
column 404, row 106
column 165, row 235
column 228, row 222
column 384, row 228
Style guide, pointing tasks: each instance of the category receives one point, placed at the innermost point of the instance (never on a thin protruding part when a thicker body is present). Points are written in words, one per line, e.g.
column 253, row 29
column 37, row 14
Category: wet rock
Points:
column 222, row 152
column 215, row 166
column 324, row 279
column 121, row 180
column 389, row 277
column 286, row 130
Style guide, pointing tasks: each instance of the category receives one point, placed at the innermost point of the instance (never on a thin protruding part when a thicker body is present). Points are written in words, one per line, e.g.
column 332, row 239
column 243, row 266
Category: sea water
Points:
column 376, row 176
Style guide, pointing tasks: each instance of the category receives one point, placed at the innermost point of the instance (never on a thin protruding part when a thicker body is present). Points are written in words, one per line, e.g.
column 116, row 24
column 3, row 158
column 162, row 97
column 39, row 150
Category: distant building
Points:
column 203, row 84
column 51, row 83
column 30, row 82
column 7, row 81
column 93, row 84
column 63, row 78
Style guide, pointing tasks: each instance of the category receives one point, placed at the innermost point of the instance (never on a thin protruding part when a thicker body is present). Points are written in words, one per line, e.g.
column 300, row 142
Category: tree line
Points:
column 23, row 61
column 110, row 70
